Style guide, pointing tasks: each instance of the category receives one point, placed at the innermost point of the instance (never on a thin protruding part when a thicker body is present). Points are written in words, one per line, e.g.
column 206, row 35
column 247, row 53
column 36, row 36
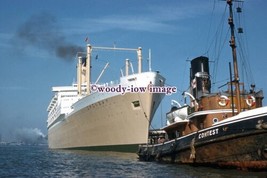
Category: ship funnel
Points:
column 199, row 77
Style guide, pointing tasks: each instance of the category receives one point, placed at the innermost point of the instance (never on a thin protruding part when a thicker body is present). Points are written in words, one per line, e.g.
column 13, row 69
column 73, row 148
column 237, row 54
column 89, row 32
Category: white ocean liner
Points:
column 82, row 117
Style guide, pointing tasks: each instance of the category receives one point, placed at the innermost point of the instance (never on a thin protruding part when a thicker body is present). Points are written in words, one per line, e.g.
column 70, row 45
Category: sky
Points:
column 38, row 41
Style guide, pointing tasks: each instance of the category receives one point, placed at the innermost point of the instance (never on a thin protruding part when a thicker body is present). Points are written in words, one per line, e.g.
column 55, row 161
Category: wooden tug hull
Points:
column 237, row 143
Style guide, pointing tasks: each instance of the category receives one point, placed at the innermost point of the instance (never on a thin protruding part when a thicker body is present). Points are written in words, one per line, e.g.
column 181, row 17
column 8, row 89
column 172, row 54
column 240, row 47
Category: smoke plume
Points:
column 29, row 135
column 42, row 30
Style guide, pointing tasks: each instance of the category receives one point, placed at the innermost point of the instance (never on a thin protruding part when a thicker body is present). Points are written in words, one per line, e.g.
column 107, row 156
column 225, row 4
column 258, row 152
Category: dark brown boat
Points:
column 225, row 129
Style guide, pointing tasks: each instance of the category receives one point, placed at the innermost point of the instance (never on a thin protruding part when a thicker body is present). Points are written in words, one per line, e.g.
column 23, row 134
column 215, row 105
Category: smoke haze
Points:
column 42, row 30
column 29, row 136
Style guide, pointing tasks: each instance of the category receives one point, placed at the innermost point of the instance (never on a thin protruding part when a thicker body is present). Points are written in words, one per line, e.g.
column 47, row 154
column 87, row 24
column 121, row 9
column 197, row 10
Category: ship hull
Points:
column 111, row 123
column 240, row 143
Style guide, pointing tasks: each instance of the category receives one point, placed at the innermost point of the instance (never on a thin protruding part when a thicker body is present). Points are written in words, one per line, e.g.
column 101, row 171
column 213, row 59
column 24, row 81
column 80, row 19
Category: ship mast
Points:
column 233, row 46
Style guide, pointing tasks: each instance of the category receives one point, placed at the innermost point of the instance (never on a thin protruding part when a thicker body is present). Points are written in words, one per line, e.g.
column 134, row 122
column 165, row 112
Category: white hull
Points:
column 108, row 119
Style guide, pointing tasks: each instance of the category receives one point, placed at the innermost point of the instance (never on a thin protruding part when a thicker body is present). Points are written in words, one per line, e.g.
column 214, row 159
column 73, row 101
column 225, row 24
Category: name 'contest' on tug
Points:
column 113, row 116
column 227, row 129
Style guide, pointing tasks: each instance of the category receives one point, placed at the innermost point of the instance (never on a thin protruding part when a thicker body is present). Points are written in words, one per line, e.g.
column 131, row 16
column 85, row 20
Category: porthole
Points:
column 215, row 120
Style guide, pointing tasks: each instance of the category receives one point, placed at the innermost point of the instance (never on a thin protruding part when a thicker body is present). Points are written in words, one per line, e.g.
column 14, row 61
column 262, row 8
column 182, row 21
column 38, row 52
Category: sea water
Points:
column 39, row 161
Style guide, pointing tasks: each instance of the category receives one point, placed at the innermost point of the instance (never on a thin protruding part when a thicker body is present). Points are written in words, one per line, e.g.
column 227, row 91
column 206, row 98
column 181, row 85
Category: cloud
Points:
column 154, row 18
column 134, row 23
column 117, row 22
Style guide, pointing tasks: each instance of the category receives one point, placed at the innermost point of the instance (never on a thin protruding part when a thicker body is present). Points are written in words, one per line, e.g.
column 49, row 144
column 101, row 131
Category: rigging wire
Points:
column 184, row 77
column 217, row 44
column 219, row 40
column 210, row 25
column 243, row 47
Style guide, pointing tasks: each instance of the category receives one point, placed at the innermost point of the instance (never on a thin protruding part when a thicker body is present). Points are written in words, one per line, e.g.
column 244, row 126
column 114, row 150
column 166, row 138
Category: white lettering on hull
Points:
column 208, row 133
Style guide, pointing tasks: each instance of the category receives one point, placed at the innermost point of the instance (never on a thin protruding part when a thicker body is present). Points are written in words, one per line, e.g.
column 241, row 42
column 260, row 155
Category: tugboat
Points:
column 224, row 129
